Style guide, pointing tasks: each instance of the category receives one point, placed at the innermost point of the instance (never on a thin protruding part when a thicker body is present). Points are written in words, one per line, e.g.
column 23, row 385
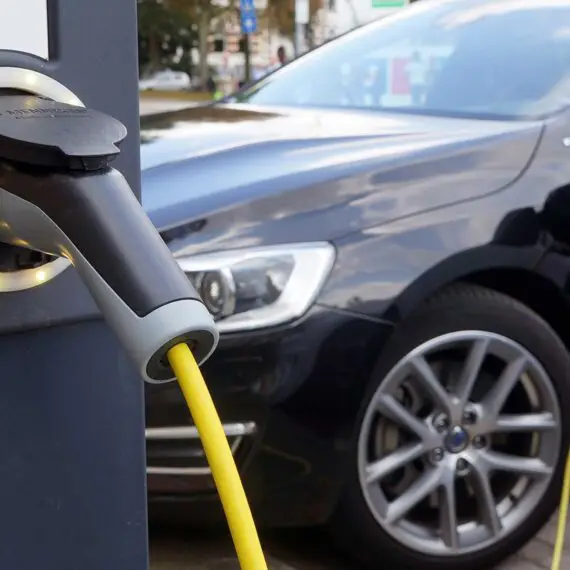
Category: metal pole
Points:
column 301, row 20
column 247, row 57
column 298, row 39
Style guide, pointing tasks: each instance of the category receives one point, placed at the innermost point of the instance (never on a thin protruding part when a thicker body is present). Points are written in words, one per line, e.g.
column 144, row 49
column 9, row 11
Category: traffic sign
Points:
column 248, row 23
column 248, row 16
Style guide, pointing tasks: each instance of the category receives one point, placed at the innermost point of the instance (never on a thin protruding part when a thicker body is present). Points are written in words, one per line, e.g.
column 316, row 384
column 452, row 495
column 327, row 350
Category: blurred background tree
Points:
column 166, row 37
column 202, row 13
column 170, row 29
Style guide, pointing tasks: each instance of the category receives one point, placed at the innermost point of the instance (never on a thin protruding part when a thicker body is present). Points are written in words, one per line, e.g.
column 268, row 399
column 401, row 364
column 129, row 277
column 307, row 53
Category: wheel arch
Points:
column 532, row 289
column 509, row 271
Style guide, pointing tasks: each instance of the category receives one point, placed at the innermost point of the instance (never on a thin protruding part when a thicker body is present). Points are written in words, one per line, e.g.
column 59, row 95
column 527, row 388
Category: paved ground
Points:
column 307, row 550
column 537, row 555
column 148, row 107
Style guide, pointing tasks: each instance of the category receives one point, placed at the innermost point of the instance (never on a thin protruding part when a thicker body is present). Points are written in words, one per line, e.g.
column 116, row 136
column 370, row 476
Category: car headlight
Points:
column 255, row 288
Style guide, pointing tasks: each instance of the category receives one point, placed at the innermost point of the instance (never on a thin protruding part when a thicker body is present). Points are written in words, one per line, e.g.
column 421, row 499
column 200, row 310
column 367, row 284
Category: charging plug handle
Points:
column 59, row 195
column 100, row 216
column 40, row 132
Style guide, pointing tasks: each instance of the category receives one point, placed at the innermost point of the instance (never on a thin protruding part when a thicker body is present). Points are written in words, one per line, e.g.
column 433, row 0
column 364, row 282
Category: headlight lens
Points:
column 259, row 287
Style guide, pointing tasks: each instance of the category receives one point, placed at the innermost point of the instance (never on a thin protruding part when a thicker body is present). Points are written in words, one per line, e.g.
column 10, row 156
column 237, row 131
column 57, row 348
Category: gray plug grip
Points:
column 145, row 339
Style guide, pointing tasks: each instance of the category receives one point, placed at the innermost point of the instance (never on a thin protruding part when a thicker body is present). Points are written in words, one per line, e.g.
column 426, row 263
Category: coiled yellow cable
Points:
column 220, row 458
column 562, row 518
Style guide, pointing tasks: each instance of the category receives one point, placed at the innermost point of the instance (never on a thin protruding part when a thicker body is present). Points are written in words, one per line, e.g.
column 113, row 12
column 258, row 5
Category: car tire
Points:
column 374, row 534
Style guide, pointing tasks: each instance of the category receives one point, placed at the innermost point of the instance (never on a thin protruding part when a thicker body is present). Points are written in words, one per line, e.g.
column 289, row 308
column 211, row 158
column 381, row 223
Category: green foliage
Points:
column 164, row 32
column 195, row 15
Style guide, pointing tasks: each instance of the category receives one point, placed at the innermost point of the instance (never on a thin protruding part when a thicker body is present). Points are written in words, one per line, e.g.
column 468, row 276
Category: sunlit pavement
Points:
column 152, row 106
column 304, row 550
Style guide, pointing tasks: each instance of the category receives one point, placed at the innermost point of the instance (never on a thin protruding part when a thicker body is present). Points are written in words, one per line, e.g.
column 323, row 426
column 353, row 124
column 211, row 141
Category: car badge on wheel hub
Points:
column 456, row 440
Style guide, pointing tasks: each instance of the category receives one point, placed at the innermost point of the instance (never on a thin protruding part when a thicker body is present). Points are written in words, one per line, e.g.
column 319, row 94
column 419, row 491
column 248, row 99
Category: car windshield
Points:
column 482, row 58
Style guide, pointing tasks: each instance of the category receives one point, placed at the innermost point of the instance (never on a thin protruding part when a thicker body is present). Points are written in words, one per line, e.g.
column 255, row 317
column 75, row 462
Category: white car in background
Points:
column 166, row 80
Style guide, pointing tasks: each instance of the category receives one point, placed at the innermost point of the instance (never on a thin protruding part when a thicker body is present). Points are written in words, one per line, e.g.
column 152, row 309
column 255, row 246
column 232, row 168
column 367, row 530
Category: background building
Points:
column 344, row 15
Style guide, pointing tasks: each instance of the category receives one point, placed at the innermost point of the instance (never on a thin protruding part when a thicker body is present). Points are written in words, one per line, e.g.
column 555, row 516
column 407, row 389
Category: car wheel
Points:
column 460, row 447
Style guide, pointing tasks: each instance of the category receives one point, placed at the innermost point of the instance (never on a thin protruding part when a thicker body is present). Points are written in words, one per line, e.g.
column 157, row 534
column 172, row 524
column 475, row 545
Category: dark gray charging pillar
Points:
column 72, row 462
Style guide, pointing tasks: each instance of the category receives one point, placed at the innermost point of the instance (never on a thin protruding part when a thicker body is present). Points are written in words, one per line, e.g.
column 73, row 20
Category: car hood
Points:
column 231, row 176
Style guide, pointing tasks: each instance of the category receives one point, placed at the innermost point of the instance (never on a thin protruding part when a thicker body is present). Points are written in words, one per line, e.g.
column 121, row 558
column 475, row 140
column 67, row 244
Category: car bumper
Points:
column 288, row 399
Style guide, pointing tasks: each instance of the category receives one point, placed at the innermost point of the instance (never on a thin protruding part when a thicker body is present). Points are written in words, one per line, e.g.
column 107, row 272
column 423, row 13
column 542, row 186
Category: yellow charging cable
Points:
column 562, row 518
column 227, row 479
column 220, row 458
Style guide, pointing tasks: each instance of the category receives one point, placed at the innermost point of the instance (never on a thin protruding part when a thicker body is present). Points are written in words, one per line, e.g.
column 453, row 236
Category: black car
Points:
column 382, row 230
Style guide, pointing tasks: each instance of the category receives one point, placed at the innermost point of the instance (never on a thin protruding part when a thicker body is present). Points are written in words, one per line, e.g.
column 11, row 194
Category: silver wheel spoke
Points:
column 448, row 515
column 429, row 434
column 485, row 499
column 525, row 422
column 527, row 466
column 418, row 491
column 391, row 408
column 497, row 396
column 431, row 384
column 379, row 469
column 471, row 370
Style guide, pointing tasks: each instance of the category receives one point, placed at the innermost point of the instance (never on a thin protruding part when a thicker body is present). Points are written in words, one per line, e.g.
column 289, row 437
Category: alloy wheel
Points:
column 459, row 443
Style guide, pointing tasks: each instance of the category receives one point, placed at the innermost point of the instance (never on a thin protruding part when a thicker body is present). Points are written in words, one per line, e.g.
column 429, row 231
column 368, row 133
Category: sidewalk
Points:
column 150, row 107
column 537, row 554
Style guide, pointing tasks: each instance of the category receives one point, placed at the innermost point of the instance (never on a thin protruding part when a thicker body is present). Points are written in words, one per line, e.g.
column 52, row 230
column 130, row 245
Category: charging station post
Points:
column 72, row 468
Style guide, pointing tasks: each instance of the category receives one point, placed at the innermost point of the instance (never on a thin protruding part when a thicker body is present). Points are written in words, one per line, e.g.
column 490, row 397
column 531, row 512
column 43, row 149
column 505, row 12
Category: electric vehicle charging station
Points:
column 72, row 487
column 72, row 483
